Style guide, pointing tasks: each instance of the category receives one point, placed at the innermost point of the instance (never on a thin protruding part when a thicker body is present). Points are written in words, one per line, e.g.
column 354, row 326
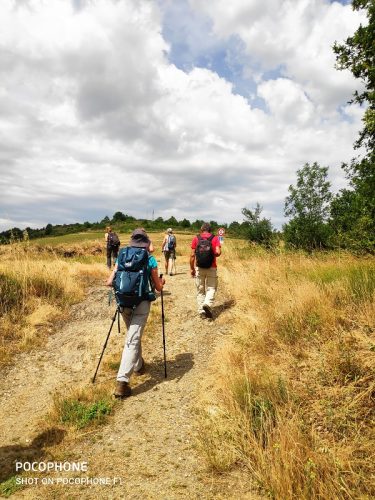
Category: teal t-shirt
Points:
column 152, row 264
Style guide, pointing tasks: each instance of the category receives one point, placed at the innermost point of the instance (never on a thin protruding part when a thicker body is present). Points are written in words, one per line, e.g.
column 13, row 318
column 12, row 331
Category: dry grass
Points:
column 34, row 293
column 294, row 386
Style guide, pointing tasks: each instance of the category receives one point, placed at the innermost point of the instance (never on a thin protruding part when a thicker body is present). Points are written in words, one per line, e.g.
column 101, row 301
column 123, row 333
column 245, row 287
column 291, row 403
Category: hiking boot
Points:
column 122, row 390
column 142, row 369
column 207, row 310
column 202, row 315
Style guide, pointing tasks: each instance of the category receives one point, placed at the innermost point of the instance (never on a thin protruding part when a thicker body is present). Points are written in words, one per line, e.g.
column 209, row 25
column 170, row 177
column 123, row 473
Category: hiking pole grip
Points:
column 162, row 322
column 105, row 345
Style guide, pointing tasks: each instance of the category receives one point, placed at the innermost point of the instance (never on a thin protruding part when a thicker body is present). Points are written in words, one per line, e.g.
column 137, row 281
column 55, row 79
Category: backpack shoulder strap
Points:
column 211, row 238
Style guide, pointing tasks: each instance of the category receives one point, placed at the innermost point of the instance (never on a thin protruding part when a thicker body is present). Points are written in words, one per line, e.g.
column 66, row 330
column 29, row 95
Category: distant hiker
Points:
column 204, row 249
column 169, row 249
column 113, row 245
column 135, row 270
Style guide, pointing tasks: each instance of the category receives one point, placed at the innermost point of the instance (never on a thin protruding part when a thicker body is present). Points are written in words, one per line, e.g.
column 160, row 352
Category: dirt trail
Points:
column 149, row 442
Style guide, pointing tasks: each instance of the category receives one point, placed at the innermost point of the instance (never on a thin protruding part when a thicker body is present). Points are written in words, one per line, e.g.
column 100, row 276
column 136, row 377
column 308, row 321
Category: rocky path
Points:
column 149, row 443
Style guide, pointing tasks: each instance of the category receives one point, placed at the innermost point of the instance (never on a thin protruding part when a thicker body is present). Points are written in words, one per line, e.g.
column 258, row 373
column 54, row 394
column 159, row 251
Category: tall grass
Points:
column 294, row 387
column 34, row 291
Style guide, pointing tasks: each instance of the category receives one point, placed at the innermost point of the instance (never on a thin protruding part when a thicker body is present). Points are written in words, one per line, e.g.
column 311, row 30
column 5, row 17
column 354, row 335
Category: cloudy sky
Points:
column 188, row 108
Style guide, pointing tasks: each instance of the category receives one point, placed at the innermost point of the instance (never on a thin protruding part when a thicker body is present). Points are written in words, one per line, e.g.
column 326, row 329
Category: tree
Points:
column 214, row 225
column 308, row 206
column 119, row 217
column 257, row 230
column 48, row 229
column 351, row 226
column 185, row 223
column 197, row 224
column 172, row 221
column 106, row 221
column 358, row 55
column 234, row 227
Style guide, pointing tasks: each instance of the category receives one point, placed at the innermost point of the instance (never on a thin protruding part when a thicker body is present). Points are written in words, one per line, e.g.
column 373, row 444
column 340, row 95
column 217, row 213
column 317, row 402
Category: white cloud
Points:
column 295, row 35
column 287, row 101
column 95, row 119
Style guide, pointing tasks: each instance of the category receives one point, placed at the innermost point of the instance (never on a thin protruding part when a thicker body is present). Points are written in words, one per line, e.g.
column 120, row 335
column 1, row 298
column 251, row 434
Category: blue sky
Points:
column 185, row 108
column 193, row 44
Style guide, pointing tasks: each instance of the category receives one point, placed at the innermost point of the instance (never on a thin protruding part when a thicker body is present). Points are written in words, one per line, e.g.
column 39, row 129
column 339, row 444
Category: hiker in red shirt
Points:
column 204, row 249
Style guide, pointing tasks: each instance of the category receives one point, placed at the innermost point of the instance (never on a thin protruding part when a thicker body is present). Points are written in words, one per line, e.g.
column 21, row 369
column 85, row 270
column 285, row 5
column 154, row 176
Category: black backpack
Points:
column 171, row 242
column 131, row 283
column 113, row 240
column 204, row 254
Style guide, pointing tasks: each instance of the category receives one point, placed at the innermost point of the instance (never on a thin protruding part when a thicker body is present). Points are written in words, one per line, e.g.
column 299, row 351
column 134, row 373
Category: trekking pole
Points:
column 105, row 343
column 162, row 322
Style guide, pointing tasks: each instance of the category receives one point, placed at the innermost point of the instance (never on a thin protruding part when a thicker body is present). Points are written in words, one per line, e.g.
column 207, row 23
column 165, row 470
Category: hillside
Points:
column 271, row 398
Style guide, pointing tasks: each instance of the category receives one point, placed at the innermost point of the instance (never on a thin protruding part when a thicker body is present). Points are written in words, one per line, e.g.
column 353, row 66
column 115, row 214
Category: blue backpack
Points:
column 131, row 283
column 171, row 242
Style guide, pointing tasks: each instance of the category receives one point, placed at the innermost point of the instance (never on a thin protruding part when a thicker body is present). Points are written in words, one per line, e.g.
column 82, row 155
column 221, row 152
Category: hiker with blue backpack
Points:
column 205, row 247
column 168, row 248
column 134, row 278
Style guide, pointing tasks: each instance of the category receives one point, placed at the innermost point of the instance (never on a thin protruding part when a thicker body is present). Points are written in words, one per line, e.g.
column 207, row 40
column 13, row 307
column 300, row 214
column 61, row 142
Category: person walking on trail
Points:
column 135, row 316
column 205, row 248
column 169, row 249
column 113, row 245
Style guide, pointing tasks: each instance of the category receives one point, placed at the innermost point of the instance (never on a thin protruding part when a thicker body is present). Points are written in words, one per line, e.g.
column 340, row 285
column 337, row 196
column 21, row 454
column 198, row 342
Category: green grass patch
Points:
column 360, row 278
column 10, row 486
column 68, row 238
column 326, row 275
column 80, row 414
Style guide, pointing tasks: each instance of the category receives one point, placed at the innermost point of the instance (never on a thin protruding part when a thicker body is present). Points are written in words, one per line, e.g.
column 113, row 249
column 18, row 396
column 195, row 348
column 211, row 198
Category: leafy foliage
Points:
column 256, row 229
column 308, row 206
column 358, row 55
column 356, row 228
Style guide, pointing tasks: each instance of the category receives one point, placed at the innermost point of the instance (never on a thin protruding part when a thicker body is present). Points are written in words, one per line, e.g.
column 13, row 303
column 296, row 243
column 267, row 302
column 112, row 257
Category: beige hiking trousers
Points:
column 206, row 283
column 135, row 321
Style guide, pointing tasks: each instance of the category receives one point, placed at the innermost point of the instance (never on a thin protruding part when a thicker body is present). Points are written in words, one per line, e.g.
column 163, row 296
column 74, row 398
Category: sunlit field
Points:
column 37, row 288
column 294, row 385
column 41, row 279
column 292, row 388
